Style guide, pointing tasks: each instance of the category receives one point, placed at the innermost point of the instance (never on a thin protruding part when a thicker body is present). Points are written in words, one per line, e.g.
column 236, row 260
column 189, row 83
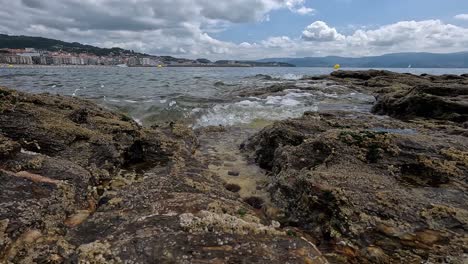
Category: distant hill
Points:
column 256, row 63
column 395, row 60
column 21, row 42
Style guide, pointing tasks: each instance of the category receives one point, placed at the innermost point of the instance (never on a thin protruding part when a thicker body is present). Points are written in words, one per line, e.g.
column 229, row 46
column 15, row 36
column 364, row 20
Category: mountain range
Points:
column 395, row 60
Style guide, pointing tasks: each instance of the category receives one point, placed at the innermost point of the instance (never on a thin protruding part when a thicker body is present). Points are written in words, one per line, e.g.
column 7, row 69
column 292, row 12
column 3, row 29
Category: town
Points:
column 31, row 56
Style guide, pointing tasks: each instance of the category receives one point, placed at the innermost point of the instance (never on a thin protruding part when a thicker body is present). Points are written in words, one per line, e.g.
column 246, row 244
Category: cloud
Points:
column 320, row 31
column 304, row 10
column 461, row 17
column 282, row 42
column 298, row 6
column 186, row 28
column 170, row 27
column 428, row 35
column 319, row 39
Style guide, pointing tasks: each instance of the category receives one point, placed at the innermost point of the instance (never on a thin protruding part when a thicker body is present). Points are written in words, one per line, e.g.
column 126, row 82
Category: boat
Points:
column 122, row 65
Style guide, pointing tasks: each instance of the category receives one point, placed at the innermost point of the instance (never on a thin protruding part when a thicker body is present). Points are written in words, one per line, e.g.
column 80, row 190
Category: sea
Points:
column 197, row 96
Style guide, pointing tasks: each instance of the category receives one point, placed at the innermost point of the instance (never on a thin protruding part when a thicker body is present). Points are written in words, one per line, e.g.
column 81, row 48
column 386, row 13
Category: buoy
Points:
column 10, row 66
column 337, row 66
column 159, row 66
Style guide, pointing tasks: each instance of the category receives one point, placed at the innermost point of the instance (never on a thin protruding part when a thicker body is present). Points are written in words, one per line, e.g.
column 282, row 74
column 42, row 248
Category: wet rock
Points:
column 347, row 174
column 306, row 155
column 80, row 116
column 408, row 96
column 78, row 131
column 273, row 89
column 80, row 184
column 363, row 75
column 255, row 202
column 8, row 147
column 265, row 146
column 233, row 188
column 233, row 173
column 438, row 102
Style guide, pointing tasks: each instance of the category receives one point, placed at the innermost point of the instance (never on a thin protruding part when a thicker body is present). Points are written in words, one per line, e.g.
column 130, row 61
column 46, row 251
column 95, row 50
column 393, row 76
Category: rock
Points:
column 347, row 174
column 255, row 202
column 79, row 131
column 80, row 184
column 233, row 173
column 265, row 146
column 438, row 102
column 276, row 88
column 408, row 96
column 361, row 75
column 80, row 116
column 8, row 147
column 77, row 218
column 224, row 223
column 233, row 188
column 376, row 254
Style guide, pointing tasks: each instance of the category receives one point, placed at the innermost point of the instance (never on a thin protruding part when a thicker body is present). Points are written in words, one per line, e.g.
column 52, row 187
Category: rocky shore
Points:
column 81, row 184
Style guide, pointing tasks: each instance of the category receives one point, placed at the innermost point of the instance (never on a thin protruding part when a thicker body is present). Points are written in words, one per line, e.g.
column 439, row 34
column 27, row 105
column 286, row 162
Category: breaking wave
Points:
column 253, row 108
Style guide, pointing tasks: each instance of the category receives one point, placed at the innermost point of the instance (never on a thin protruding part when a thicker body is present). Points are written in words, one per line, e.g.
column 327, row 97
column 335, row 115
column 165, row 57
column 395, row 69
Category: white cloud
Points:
column 298, row 6
column 169, row 27
column 278, row 42
column 304, row 10
column 186, row 28
column 428, row 35
column 461, row 17
column 319, row 39
column 320, row 31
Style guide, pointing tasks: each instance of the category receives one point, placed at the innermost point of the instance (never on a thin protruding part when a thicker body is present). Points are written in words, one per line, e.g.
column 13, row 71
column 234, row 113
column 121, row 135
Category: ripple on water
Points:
column 210, row 91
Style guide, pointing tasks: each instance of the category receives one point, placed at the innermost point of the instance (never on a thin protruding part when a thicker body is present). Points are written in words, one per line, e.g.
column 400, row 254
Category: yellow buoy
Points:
column 337, row 66
column 10, row 66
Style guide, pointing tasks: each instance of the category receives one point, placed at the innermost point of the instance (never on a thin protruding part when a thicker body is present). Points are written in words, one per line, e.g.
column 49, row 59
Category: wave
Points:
column 246, row 111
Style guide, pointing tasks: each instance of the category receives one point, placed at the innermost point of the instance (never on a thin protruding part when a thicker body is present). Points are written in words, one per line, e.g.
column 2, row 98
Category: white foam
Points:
column 289, row 102
column 138, row 121
column 246, row 111
column 196, row 110
column 333, row 95
column 27, row 152
column 291, row 76
column 246, row 103
column 74, row 93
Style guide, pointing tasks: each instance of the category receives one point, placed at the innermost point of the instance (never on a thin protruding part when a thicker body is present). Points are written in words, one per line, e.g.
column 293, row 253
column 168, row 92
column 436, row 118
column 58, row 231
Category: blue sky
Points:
column 247, row 29
column 346, row 16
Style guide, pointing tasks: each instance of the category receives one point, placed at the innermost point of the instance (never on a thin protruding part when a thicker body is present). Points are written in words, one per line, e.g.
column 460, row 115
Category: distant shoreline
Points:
column 115, row 66
column 2, row 66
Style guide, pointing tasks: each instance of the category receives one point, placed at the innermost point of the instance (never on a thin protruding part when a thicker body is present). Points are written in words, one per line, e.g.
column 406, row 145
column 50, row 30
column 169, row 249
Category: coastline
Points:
column 337, row 187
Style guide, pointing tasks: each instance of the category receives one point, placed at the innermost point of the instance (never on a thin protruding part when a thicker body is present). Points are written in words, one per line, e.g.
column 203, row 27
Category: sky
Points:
column 246, row 29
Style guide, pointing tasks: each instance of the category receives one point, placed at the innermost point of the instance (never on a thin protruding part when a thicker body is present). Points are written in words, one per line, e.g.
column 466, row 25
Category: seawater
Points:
column 197, row 96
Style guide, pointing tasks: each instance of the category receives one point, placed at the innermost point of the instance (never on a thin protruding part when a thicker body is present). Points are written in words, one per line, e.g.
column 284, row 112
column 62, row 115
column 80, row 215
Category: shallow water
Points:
column 198, row 96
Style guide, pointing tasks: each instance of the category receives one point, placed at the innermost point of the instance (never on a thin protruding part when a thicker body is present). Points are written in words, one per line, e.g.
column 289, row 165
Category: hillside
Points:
column 396, row 60
column 21, row 42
